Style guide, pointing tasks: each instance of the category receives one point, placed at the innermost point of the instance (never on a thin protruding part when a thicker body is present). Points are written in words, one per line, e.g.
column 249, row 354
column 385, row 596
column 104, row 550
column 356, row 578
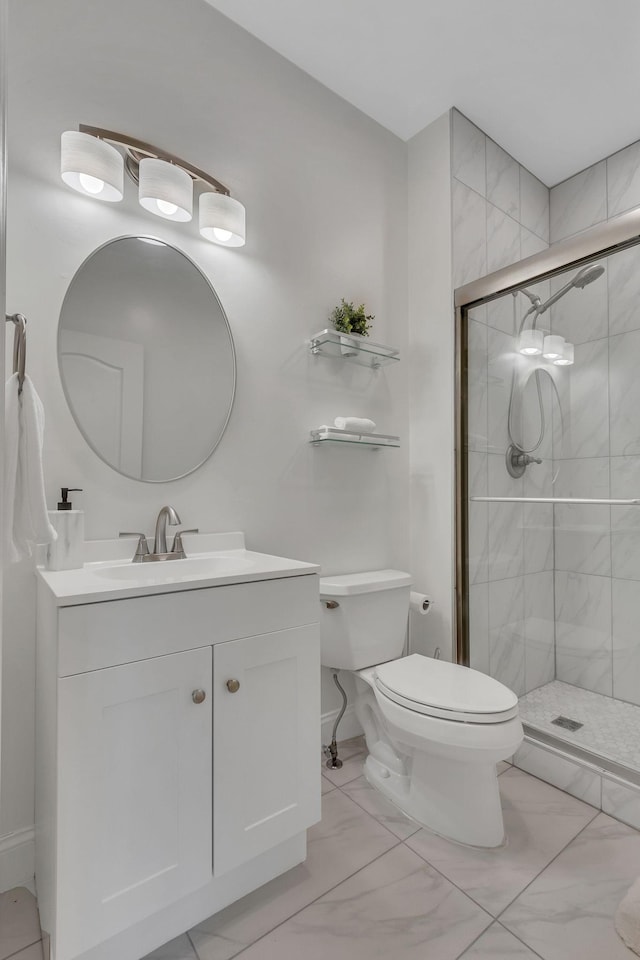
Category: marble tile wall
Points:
column 596, row 449
column 500, row 215
column 592, row 784
column 596, row 194
column 498, row 206
column 581, row 563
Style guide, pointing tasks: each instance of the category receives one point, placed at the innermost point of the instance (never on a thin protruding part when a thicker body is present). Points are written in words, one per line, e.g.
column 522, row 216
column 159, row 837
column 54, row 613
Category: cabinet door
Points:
column 266, row 737
column 134, row 793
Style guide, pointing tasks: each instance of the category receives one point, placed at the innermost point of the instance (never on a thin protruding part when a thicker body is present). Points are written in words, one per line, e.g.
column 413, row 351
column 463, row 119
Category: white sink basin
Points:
column 213, row 559
column 175, row 571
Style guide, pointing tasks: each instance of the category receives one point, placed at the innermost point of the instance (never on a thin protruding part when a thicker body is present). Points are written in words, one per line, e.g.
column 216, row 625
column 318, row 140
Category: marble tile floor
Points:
column 20, row 936
column 611, row 728
column 376, row 885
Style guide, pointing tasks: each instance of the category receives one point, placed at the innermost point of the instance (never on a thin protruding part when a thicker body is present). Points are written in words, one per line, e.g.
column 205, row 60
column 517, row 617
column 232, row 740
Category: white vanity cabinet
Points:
column 261, row 743
column 177, row 763
column 134, row 807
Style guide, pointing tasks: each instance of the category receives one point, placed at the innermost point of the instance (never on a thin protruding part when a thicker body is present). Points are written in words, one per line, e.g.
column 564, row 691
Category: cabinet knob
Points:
column 198, row 696
column 233, row 686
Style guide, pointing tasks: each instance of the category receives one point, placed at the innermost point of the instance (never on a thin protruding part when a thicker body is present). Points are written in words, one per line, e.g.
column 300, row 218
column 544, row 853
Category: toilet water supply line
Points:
column 331, row 752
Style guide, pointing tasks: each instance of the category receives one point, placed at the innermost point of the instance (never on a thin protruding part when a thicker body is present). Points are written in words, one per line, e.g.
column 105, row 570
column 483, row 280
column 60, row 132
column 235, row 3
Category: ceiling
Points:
column 554, row 82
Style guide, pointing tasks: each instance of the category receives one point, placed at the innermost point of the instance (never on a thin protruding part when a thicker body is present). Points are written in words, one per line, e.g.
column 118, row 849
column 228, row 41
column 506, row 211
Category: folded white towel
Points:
column 355, row 424
column 627, row 919
column 26, row 520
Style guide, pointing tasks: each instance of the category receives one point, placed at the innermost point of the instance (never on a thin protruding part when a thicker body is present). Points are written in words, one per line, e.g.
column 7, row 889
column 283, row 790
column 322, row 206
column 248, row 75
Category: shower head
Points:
column 587, row 275
column 581, row 279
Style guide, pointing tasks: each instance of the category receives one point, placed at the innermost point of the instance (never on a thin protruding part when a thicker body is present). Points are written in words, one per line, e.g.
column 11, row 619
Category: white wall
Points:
column 325, row 192
column 432, row 333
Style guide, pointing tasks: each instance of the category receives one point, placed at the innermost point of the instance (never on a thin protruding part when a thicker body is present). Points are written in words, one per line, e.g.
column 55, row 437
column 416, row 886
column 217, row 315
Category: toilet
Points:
column 434, row 730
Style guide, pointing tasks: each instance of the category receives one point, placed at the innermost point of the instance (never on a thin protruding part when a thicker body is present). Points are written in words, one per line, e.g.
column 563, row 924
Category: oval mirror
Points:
column 146, row 359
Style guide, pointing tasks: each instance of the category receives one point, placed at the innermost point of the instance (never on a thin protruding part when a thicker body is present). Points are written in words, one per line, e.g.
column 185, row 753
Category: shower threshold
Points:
column 608, row 735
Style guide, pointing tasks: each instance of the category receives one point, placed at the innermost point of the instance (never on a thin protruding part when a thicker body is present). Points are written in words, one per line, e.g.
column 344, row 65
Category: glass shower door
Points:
column 552, row 533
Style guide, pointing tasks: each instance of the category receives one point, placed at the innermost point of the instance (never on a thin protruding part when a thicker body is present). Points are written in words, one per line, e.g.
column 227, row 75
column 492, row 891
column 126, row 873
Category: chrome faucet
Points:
column 166, row 515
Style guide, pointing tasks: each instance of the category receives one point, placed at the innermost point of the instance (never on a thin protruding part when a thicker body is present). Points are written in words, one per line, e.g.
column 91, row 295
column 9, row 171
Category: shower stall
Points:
column 548, row 497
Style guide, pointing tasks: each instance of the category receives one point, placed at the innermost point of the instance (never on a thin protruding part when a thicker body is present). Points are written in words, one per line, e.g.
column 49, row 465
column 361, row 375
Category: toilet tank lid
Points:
column 371, row 581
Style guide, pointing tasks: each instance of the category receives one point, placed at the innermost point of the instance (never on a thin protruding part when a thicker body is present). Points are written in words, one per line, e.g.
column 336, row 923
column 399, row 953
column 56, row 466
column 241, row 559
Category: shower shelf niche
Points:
column 333, row 435
column 352, row 347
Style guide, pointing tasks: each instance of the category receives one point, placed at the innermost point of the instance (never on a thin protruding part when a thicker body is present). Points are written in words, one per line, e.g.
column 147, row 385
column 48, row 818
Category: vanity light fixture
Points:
column 553, row 347
column 93, row 166
column 531, row 343
column 222, row 219
column 165, row 189
column 567, row 356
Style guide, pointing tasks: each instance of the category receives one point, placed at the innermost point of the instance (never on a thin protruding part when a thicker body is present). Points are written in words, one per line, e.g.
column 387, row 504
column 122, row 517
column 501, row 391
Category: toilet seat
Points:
column 450, row 691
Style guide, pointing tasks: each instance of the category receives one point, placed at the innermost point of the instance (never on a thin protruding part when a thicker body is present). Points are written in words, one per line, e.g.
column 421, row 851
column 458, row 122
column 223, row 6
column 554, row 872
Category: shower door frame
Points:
column 599, row 241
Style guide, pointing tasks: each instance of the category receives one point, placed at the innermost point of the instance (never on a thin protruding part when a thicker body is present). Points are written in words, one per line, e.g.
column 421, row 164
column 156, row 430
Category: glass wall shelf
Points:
column 352, row 347
column 333, row 435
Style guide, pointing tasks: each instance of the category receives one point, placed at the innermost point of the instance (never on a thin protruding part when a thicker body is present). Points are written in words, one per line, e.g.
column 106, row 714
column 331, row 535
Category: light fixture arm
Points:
column 137, row 150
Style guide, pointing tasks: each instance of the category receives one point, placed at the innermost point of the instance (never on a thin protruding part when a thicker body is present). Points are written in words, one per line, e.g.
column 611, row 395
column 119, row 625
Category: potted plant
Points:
column 348, row 319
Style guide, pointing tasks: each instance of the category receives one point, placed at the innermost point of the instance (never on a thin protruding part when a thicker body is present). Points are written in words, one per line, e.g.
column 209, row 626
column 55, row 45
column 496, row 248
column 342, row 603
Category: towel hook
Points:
column 19, row 346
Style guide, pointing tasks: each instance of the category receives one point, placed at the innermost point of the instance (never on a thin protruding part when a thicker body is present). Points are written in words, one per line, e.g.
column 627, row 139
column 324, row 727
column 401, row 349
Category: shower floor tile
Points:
column 610, row 728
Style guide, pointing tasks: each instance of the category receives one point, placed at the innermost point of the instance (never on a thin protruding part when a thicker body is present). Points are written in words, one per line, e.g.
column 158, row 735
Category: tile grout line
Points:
column 311, row 902
column 461, row 956
column 448, row 879
column 474, row 941
column 520, row 940
column 196, row 955
column 330, row 889
column 26, row 946
column 519, row 222
column 546, row 867
column 379, row 822
column 493, row 919
column 467, row 894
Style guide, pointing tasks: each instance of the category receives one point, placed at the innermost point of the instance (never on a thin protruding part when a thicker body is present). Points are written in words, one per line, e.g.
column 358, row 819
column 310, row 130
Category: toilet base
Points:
column 459, row 801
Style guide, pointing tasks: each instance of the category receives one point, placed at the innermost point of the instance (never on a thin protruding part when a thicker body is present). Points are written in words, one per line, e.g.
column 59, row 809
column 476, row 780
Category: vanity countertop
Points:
column 212, row 560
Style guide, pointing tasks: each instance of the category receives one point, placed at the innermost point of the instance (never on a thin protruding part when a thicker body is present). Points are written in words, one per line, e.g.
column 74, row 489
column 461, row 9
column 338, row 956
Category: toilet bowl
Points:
column 443, row 768
column 434, row 730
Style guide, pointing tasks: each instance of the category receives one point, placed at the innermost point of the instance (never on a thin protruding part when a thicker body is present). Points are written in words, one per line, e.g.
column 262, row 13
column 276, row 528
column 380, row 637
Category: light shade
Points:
column 567, row 356
column 553, row 347
column 222, row 219
column 91, row 166
column 531, row 342
column 165, row 189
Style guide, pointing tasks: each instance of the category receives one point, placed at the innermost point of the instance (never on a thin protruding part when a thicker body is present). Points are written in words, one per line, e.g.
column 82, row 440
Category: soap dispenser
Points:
column 67, row 552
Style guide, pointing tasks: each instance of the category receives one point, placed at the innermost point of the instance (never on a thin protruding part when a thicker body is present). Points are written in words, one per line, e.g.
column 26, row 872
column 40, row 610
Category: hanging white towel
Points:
column 25, row 517
column 11, row 441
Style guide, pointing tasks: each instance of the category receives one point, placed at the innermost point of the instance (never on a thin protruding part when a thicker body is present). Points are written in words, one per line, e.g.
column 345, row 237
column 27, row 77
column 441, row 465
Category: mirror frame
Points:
column 107, row 243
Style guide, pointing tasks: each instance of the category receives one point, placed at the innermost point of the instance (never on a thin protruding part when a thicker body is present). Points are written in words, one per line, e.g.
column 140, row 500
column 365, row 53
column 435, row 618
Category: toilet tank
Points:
column 369, row 621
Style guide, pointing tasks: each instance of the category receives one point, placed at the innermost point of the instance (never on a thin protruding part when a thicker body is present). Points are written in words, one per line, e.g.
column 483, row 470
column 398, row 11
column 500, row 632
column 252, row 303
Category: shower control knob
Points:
column 517, row 460
column 233, row 686
column 198, row 696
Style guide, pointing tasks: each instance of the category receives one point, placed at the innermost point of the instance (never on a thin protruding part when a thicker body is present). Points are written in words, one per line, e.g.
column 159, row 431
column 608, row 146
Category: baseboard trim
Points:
column 349, row 725
column 17, row 858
